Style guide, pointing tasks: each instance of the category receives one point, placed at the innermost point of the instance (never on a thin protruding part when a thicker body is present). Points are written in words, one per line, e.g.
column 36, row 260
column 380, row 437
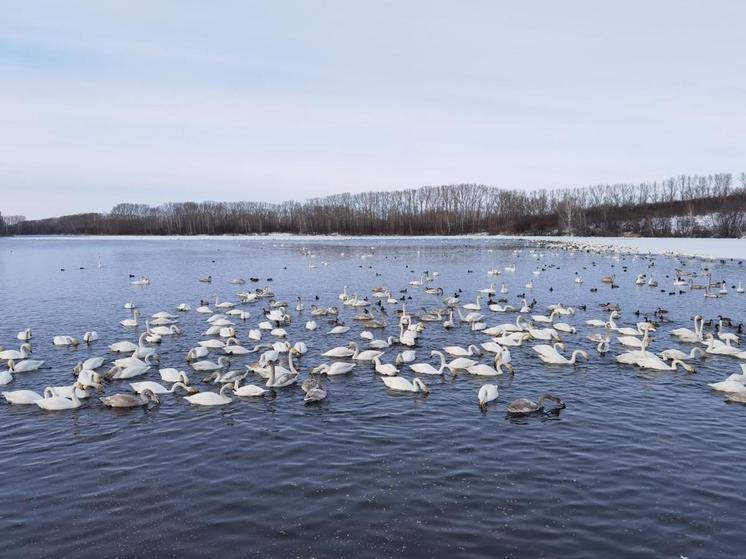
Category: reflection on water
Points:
column 637, row 465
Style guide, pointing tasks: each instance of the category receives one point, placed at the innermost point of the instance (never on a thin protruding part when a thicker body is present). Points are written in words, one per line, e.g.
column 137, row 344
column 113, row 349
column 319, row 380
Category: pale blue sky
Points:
column 102, row 102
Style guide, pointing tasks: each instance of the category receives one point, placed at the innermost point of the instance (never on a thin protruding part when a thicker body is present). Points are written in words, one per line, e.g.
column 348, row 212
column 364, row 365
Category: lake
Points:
column 639, row 464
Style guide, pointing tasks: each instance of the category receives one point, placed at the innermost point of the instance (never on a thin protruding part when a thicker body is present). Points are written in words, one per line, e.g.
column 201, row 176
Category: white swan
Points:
column 67, row 391
column 21, row 397
column 56, row 403
column 334, row 369
column 482, row 370
column 210, row 398
column 339, row 351
column 427, row 368
column 123, row 347
column 401, row 384
column 545, row 319
column 474, row 306
column 487, row 393
column 366, row 355
column 157, row 388
column 5, row 377
column 691, row 336
column 384, row 368
column 544, row 334
column 730, row 386
column 133, row 361
column 551, row 354
column 514, row 339
column 197, row 352
column 285, row 378
column 458, row 351
column 131, row 322
column 501, row 329
column 678, row 354
column 211, row 365
column 248, row 390
column 406, row 356
column 24, row 335
column 22, row 353
column 90, row 336
column 564, row 327
column 130, row 371
column 657, row 364
column 173, row 375
column 24, row 366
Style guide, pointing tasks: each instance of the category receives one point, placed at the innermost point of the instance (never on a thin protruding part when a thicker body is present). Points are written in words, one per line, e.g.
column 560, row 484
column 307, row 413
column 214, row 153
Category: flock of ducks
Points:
column 276, row 363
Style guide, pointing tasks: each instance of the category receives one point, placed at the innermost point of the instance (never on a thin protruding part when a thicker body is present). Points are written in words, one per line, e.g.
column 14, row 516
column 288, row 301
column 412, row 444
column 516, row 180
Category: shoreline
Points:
column 701, row 247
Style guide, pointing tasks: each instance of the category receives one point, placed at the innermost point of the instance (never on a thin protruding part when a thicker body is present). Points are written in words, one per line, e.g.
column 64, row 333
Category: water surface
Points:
column 640, row 464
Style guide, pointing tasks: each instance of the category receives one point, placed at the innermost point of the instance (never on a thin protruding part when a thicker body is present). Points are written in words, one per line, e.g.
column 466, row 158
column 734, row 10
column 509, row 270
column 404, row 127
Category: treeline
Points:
column 713, row 205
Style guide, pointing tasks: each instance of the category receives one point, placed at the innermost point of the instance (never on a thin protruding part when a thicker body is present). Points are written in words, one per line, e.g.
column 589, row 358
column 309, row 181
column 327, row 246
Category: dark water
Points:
column 640, row 464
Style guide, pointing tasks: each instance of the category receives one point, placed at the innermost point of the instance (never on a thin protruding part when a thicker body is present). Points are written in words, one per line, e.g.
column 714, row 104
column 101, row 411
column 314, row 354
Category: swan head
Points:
column 323, row 368
column 150, row 396
column 421, row 386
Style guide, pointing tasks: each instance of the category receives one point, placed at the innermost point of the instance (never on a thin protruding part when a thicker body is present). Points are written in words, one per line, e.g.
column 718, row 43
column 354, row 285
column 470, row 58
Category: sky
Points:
column 150, row 101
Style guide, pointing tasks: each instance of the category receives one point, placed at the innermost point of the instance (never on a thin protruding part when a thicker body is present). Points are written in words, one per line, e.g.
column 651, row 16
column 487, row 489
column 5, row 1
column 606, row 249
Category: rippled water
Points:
column 640, row 464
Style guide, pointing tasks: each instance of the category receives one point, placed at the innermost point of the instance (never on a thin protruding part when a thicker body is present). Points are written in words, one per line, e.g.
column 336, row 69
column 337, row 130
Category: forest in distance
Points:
column 683, row 206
